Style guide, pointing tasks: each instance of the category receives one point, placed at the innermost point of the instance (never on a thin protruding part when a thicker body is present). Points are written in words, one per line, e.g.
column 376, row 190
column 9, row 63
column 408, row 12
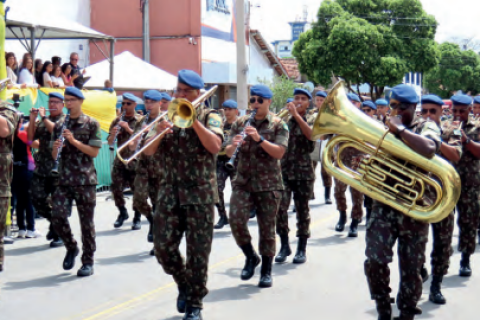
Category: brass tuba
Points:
column 388, row 158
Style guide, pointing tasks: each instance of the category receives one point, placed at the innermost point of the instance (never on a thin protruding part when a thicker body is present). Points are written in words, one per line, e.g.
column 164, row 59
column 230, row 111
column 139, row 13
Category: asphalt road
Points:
column 129, row 284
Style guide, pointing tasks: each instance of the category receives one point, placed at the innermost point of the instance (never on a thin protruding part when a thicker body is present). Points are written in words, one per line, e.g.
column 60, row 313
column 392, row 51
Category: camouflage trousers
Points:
column 326, row 178
column 85, row 199
column 302, row 191
column 442, row 245
column 468, row 207
column 222, row 175
column 121, row 178
column 41, row 188
column 267, row 204
column 4, row 204
column 145, row 187
column 171, row 221
column 385, row 226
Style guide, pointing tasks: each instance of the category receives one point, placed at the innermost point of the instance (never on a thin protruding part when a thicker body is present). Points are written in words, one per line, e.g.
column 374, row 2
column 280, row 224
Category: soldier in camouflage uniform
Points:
column 147, row 171
column 231, row 114
column 8, row 122
column 43, row 182
column 382, row 110
column 122, row 128
column 386, row 225
column 442, row 231
column 351, row 158
column 77, row 180
column 468, row 168
column 187, row 196
column 258, row 181
column 298, row 177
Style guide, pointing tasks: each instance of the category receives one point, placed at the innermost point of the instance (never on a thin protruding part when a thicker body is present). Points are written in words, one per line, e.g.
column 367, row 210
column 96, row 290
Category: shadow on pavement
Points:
column 173, row 318
column 240, row 292
column 133, row 258
column 222, row 234
column 28, row 250
column 340, row 238
column 50, row 281
column 454, row 281
column 112, row 232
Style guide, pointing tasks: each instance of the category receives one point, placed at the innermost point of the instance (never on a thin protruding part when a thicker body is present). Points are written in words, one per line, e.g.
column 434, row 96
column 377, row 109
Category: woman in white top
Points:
column 46, row 79
column 26, row 73
column 11, row 66
column 57, row 77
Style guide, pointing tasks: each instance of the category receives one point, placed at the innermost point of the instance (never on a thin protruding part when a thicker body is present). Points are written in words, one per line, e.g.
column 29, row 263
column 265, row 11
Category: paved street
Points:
column 130, row 284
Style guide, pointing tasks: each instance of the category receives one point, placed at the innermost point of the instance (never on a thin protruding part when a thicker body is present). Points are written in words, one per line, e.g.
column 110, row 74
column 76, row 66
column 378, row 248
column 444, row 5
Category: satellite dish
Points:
column 310, row 86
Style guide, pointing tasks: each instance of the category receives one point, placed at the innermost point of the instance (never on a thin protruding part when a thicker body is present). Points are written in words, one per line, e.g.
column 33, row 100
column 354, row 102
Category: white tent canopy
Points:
column 130, row 73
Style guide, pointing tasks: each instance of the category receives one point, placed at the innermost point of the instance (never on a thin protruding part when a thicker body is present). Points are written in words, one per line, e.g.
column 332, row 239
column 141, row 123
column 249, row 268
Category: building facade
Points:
column 283, row 48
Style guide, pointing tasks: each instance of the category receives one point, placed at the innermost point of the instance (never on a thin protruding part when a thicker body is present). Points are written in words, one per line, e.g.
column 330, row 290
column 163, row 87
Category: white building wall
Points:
column 75, row 10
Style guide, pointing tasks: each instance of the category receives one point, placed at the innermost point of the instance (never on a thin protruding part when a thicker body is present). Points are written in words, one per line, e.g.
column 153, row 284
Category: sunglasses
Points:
column 431, row 111
column 259, row 100
column 367, row 110
column 461, row 111
column 127, row 103
column 400, row 106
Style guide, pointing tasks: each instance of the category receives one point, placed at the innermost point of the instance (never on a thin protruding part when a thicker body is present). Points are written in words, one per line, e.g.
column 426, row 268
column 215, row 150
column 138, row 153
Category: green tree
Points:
column 368, row 41
column 457, row 70
column 282, row 88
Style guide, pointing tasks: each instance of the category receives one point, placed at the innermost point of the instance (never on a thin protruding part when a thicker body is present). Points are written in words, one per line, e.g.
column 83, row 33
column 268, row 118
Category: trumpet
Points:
column 231, row 163
column 181, row 113
column 284, row 112
column 54, row 171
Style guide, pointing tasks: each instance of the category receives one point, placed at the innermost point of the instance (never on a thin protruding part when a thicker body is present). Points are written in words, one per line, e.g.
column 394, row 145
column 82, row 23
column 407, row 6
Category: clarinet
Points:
column 62, row 138
column 231, row 163
column 112, row 146
column 147, row 116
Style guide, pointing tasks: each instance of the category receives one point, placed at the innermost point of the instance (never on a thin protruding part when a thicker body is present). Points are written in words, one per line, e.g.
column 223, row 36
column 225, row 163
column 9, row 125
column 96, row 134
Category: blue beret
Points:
column 369, row 104
column 476, row 99
column 154, row 95
column 461, row 99
column 353, row 97
column 56, row 95
column 191, row 79
column 321, row 94
column 381, row 102
column 231, row 104
column 404, row 94
column 166, row 96
column 261, row 90
column 298, row 91
column 431, row 98
column 74, row 92
column 129, row 96
column 289, row 100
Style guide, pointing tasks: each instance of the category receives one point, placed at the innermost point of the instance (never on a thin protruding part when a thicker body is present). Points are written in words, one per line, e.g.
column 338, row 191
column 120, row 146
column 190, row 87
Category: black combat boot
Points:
column 85, row 271
column 353, row 232
column 436, row 295
column 122, row 216
column 479, row 236
column 182, row 299
column 384, row 309
column 285, row 250
column 327, row 195
column 222, row 221
column 251, row 262
column 152, row 252
column 301, row 255
column 136, row 221
column 193, row 313
column 369, row 213
column 465, row 270
column 150, row 230
column 341, row 221
column 56, row 242
column 266, row 272
column 69, row 261
column 424, row 273
column 253, row 213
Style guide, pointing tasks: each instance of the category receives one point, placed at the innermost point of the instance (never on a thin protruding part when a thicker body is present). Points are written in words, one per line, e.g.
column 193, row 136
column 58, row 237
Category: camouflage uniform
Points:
column 258, row 181
column 222, row 172
column 186, row 198
column 384, row 227
column 43, row 183
column 298, row 178
column 123, row 175
column 468, row 205
column 6, row 169
column 77, row 181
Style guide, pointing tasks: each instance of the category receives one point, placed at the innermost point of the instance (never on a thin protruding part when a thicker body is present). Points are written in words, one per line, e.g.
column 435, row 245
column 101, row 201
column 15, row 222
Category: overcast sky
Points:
column 456, row 17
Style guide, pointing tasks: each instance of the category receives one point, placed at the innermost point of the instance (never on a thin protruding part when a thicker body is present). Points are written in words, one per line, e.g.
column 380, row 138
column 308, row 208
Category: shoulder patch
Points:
column 214, row 120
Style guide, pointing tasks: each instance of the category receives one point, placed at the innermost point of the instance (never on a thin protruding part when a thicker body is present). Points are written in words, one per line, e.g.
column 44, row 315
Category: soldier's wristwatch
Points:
column 261, row 140
column 467, row 141
column 43, row 118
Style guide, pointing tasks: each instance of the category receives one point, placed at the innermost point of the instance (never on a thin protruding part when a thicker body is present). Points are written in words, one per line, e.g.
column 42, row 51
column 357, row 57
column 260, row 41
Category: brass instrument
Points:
column 388, row 158
column 181, row 113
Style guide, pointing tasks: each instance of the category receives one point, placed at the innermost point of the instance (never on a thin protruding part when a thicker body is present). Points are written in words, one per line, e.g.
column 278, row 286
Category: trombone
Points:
column 181, row 113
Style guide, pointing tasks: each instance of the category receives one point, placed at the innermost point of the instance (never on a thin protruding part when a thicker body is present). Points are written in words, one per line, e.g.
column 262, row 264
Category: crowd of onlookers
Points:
column 49, row 74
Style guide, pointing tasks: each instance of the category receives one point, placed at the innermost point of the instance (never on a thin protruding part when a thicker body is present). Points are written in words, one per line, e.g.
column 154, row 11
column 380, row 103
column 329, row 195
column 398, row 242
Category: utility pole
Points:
column 242, row 67
column 145, row 6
